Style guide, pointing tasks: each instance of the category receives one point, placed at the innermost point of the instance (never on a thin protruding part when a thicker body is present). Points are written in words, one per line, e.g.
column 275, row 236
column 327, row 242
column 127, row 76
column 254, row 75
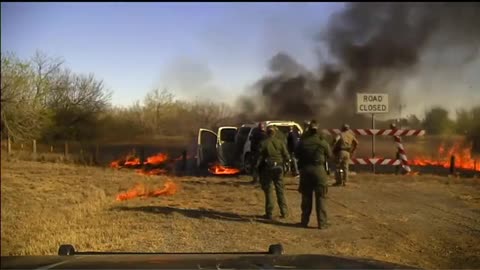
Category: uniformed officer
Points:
column 273, row 154
column 306, row 124
column 258, row 135
column 313, row 152
column 279, row 134
column 292, row 143
column 344, row 145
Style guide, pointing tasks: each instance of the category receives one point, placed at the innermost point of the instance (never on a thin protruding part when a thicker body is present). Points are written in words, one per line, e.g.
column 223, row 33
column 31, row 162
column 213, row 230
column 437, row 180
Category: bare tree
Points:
column 159, row 107
column 210, row 114
column 22, row 113
column 45, row 70
column 76, row 101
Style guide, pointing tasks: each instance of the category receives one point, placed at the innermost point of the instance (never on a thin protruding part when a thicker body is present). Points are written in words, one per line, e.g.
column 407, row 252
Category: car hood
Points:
column 193, row 261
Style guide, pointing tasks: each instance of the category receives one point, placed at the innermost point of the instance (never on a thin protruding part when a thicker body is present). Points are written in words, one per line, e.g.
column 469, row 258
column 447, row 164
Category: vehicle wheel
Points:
column 66, row 250
column 276, row 249
column 247, row 164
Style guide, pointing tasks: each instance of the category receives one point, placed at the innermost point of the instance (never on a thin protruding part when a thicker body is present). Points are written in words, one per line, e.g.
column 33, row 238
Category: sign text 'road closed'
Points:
column 372, row 103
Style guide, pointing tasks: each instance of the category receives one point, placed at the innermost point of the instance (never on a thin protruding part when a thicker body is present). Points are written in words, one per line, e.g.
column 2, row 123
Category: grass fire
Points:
column 218, row 169
column 141, row 190
column 155, row 165
column 461, row 155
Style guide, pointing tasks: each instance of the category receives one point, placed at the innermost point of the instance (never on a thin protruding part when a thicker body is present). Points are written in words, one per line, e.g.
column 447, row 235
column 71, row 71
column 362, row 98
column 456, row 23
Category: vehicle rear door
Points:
column 240, row 140
column 206, row 147
column 226, row 146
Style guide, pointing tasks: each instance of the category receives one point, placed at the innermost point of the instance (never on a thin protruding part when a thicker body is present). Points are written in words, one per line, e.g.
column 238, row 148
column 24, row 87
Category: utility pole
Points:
column 400, row 107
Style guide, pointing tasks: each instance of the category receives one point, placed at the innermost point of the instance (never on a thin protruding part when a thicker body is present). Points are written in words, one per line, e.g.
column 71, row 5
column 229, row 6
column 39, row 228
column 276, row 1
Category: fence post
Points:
column 142, row 155
column 97, row 152
column 90, row 159
column 51, row 148
column 34, row 147
column 21, row 146
column 66, row 149
column 9, row 145
column 452, row 164
column 184, row 160
column 82, row 157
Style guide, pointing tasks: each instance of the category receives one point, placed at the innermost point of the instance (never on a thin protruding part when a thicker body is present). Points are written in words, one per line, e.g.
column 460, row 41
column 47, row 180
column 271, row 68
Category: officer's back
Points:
column 274, row 149
column 313, row 151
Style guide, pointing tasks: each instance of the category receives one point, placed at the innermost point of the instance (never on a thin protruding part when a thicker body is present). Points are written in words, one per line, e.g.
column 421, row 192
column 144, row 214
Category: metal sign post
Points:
column 372, row 103
column 373, row 142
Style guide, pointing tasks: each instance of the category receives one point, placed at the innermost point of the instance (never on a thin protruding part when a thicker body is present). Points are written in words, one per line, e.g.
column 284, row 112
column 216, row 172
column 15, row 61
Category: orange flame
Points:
column 136, row 191
column 463, row 158
column 219, row 169
column 115, row 164
column 157, row 159
column 132, row 161
column 139, row 190
column 168, row 189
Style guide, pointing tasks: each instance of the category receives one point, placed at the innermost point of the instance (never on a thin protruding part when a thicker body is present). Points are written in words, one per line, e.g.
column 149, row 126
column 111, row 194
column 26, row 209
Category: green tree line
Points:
column 43, row 99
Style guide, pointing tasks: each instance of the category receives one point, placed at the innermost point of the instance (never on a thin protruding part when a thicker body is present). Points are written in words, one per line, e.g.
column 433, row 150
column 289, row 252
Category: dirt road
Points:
column 425, row 221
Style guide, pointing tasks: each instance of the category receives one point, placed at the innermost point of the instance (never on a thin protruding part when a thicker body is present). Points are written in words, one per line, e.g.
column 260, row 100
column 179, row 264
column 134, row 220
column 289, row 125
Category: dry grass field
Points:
column 425, row 221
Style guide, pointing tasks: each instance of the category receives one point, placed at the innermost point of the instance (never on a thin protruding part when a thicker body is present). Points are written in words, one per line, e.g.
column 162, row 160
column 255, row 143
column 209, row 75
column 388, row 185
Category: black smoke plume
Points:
column 372, row 47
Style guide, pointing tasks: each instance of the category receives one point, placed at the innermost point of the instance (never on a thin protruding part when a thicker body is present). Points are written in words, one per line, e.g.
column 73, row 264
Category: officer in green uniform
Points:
column 273, row 154
column 306, row 124
column 279, row 134
column 313, row 152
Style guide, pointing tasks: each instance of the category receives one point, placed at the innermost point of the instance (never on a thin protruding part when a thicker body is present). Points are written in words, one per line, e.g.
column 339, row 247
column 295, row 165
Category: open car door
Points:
column 226, row 146
column 206, row 147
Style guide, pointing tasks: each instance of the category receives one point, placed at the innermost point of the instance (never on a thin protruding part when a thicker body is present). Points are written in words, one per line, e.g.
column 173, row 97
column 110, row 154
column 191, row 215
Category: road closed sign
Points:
column 372, row 103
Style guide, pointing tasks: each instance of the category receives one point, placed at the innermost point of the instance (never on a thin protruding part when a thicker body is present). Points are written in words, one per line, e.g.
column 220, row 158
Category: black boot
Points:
column 268, row 216
column 301, row 225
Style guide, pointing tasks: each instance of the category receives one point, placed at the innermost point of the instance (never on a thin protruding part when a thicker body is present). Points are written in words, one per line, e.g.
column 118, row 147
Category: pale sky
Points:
column 187, row 47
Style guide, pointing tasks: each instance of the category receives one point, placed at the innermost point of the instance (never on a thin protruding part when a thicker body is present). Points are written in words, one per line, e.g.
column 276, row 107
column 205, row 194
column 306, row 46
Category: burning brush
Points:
column 461, row 155
column 155, row 165
column 140, row 190
column 132, row 161
column 218, row 169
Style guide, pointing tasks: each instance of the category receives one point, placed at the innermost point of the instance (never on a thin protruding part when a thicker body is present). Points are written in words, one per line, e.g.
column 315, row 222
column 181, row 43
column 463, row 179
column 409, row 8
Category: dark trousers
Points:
column 320, row 205
column 269, row 178
column 294, row 164
column 255, row 172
